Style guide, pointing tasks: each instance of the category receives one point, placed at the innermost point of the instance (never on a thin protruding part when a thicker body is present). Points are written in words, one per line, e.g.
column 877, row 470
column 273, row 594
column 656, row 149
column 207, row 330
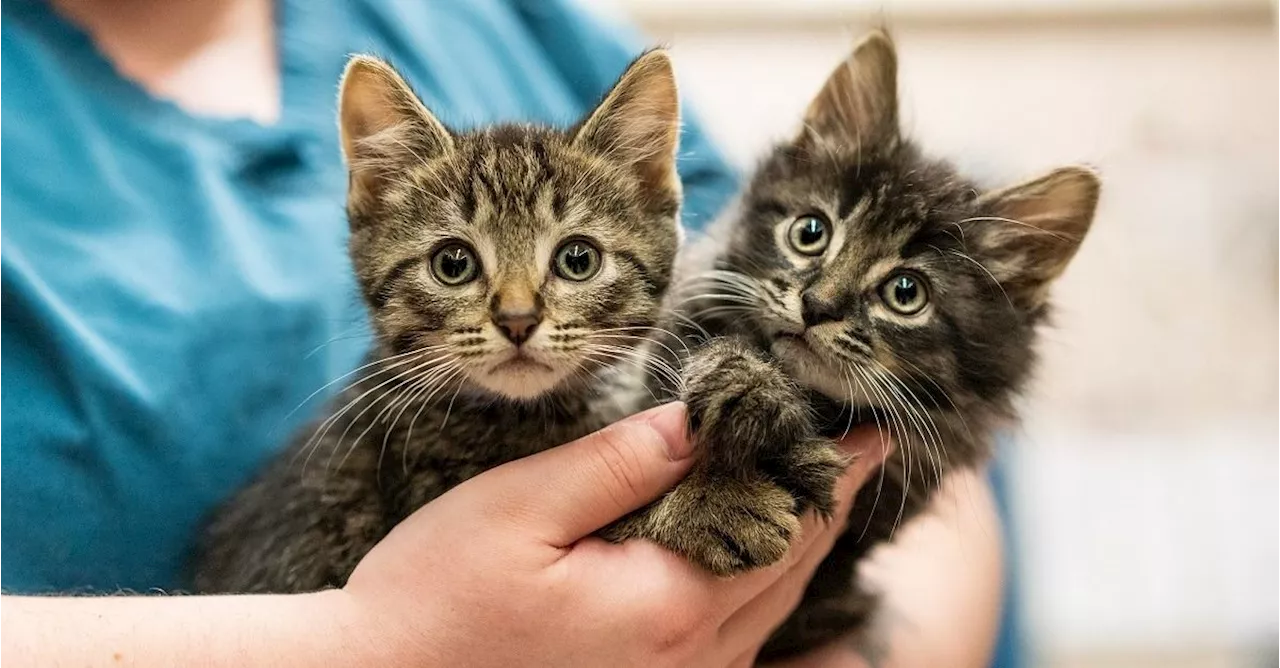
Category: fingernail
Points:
column 669, row 421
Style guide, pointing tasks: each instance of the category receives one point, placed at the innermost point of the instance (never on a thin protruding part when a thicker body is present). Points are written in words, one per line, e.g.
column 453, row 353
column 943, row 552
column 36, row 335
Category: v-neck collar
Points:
column 308, row 68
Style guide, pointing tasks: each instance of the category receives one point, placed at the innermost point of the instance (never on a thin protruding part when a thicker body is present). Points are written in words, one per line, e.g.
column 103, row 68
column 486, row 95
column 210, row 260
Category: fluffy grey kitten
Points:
column 893, row 290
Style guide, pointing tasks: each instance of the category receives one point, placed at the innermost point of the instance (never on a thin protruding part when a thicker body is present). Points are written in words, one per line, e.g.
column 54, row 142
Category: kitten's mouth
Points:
column 795, row 342
column 809, row 364
column 519, row 375
column 799, row 355
column 519, row 361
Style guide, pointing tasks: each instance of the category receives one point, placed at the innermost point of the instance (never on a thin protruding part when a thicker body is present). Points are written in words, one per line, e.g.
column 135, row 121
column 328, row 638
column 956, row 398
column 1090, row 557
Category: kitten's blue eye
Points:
column 455, row 264
column 810, row 235
column 577, row 260
column 905, row 293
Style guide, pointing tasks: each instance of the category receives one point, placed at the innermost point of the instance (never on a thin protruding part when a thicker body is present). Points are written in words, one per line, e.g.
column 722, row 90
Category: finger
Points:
column 746, row 659
column 756, row 620
column 868, row 450
column 759, row 617
column 568, row 492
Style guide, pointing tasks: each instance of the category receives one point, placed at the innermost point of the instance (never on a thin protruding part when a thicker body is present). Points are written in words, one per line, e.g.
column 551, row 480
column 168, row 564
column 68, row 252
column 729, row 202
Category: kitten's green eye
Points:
column 577, row 260
column 905, row 293
column 455, row 264
column 810, row 235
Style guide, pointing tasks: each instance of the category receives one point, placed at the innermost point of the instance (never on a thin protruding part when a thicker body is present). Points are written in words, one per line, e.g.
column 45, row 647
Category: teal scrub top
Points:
column 175, row 285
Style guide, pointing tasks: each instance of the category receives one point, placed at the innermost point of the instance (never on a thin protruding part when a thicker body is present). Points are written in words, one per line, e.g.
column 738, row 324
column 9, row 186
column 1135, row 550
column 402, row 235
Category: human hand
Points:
column 504, row 570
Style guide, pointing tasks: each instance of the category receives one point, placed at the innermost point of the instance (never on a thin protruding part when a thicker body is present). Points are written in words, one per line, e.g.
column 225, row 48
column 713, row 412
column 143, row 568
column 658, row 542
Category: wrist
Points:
column 353, row 631
column 373, row 631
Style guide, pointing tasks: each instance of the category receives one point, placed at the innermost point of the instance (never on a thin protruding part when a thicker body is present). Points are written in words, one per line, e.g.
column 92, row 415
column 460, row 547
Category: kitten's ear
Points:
column 638, row 122
column 858, row 106
column 383, row 125
column 1029, row 233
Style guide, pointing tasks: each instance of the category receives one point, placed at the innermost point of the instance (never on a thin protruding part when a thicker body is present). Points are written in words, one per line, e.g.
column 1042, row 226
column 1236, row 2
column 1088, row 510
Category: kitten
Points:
column 893, row 290
column 510, row 274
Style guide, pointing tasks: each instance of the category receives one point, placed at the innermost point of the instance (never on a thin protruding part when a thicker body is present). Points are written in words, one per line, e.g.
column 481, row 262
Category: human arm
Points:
column 497, row 571
column 941, row 581
column 280, row 630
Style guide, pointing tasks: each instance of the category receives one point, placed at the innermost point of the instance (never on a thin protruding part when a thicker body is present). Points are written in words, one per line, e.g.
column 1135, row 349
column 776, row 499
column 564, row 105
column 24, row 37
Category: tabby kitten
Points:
column 511, row 274
column 893, row 290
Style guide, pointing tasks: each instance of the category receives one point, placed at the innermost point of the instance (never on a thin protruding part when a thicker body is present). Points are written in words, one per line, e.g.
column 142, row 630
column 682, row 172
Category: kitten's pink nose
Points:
column 517, row 326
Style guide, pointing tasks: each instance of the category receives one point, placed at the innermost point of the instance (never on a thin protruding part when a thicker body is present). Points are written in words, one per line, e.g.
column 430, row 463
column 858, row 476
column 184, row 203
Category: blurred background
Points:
column 1145, row 476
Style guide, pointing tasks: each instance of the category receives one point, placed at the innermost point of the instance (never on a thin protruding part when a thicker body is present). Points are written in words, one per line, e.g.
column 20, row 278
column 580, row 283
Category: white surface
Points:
column 800, row 7
column 1148, row 539
column 791, row 9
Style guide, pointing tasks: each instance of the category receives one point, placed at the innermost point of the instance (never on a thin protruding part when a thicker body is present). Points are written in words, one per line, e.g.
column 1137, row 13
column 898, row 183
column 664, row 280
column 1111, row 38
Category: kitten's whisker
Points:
column 346, row 336
column 422, row 405
column 890, row 382
column 383, row 416
column 1040, row 230
column 926, row 416
column 706, row 336
column 356, row 370
column 844, row 377
column 449, row 409
column 990, row 275
column 899, row 403
column 715, row 308
column 720, row 287
column 603, row 359
column 884, row 449
column 626, row 331
column 707, row 312
column 416, row 390
column 735, row 298
column 641, row 339
column 712, row 295
column 955, row 410
column 720, row 277
column 903, row 440
column 313, row 443
column 731, row 283
column 400, row 389
column 424, row 378
column 663, row 370
column 591, row 357
column 353, row 421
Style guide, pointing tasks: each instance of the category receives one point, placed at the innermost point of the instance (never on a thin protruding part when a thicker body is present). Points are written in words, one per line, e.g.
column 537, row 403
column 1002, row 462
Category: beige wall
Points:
column 1147, row 469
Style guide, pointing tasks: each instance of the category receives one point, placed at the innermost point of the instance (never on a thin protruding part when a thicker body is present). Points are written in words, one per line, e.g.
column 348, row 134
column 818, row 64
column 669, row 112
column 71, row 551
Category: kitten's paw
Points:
column 809, row 470
column 724, row 525
column 749, row 416
column 742, row 405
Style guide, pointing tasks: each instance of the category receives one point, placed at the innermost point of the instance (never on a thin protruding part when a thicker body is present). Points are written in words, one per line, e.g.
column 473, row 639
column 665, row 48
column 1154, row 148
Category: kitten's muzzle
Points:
column 517, row 326
column 816, row 310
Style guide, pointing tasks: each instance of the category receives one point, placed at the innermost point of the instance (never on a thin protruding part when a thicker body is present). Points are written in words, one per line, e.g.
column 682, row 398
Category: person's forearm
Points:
column 296, row 630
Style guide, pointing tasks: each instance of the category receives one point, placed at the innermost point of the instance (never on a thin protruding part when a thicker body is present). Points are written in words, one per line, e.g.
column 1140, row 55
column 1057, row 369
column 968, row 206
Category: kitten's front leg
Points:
column 760, row 465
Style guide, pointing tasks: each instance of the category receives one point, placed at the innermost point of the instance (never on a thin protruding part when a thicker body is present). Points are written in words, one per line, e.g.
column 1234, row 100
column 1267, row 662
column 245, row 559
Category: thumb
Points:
column 568, row 492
